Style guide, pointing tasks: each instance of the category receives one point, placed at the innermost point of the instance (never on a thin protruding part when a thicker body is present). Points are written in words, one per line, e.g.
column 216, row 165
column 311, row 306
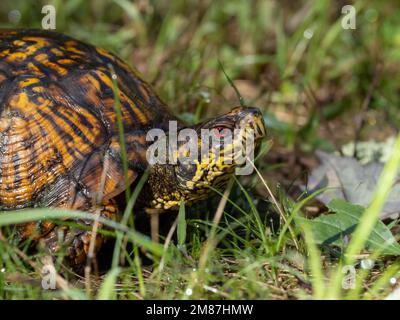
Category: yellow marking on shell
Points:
column 94, row 82
column 17, row 57
column 40, row 41
column 17, row 189
column 90, row 134
column 31, row 49
column 28, row 82
column 75, row 56
column 53, row 137
column 22, row 101
column 105, row 78
column 60, row 70
column 19, row 42
column 5, row 53
column 66, row 61
column 138, row 113
column 104, row 53
column 43, row 58
column 43, row 154
column 57, row 52
column 34, row 68
column 28, row 51
column 4, row 124
column 70, row 46
column 38, row 90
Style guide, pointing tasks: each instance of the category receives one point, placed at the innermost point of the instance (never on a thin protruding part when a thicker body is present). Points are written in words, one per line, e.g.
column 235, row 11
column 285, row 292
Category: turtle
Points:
column 63, row 144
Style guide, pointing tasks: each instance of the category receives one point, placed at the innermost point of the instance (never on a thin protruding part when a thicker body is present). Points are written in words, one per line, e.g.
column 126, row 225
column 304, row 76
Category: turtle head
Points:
column 224, row 144
column 208, row 154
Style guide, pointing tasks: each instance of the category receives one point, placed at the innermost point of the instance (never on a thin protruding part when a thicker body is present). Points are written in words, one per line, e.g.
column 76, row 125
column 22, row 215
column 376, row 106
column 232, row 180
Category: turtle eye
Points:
column 221, row 132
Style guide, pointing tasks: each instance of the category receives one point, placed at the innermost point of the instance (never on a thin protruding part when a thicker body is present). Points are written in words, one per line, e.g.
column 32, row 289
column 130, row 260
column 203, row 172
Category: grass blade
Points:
column 181, row 231
column 22, row 216
column 107, row 289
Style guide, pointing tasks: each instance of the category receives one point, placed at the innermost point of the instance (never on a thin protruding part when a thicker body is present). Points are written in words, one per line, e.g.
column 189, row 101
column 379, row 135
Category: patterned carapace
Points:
column 57, row 108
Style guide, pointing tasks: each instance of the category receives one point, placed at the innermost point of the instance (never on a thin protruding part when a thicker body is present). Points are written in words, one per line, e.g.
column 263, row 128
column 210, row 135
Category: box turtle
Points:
column 59, row 137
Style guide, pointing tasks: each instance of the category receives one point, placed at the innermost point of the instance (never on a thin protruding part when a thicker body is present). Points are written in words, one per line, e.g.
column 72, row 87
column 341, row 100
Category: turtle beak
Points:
column 251, row 118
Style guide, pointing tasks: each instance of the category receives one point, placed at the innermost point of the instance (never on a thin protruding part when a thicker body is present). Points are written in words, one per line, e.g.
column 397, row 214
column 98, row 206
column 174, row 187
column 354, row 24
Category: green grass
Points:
column 312, row 93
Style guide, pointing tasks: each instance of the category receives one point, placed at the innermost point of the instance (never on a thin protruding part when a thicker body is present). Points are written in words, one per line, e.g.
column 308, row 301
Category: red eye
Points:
column 221, row 132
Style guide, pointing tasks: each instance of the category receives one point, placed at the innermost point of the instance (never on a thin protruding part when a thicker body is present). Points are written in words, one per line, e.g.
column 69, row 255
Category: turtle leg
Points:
column 154, row 222
column 76, row 241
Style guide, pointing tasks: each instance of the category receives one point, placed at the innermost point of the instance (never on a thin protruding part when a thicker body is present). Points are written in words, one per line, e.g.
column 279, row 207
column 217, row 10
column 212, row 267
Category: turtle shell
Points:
column 58, row 122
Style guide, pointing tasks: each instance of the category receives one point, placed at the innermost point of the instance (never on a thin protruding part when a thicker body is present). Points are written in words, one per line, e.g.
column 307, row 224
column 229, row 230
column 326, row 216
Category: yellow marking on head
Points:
column 213, row 165
column 171, row 204
column 190, row 185
column 201, row 167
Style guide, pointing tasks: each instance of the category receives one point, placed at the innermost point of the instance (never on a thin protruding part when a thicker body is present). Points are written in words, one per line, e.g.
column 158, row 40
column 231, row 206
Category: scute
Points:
column 57, row 118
